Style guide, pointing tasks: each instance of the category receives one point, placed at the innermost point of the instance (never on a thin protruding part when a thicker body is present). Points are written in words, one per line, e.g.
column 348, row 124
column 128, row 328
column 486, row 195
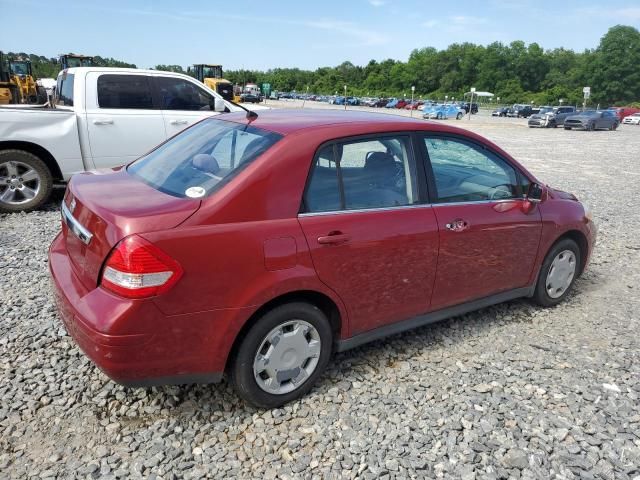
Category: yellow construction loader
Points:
column 8, row 90
column 211, row 76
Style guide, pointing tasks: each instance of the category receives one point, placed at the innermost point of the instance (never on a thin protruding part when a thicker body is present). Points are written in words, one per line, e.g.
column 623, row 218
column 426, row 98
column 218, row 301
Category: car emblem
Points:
column 72, row 205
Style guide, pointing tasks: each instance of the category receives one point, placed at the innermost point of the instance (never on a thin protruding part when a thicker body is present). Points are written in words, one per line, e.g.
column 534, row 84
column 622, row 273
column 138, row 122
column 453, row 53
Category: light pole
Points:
column 446, row 97
column 413, row 90
column 473, row 90
column 498, row 100
column 305, row 97
column 345, row 97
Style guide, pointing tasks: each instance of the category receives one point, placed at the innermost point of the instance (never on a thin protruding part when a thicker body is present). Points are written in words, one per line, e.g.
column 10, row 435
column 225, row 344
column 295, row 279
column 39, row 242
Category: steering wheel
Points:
column 500, row 192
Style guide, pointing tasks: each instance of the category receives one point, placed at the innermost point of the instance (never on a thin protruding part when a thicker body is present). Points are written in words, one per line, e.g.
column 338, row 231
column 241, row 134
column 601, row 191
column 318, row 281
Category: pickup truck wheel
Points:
column 25, row 181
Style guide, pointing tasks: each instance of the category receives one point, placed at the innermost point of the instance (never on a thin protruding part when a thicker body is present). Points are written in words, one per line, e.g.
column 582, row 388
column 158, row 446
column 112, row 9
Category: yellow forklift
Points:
column 8, row 90
column 71, row 60
column 211, row 76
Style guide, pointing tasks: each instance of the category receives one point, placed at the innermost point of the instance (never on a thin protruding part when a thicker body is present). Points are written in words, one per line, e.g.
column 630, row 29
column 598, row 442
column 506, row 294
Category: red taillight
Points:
column 136, row 268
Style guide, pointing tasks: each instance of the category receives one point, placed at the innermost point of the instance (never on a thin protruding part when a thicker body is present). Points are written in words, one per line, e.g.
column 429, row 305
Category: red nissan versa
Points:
column 259, row 248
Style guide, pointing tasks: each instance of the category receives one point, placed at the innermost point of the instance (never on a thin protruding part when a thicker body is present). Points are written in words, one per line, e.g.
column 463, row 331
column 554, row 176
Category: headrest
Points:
column 206, row 163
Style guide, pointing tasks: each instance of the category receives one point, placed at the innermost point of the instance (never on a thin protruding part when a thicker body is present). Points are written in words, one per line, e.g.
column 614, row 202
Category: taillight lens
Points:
column 136, row 268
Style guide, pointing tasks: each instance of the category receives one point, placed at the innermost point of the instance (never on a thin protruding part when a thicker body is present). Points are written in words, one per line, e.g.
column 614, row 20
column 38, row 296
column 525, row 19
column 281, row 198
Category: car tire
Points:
column 567, row 128
column 615, row 126
column 18, row 162
column 553, row 124
column 592, row 127
column 558, row 273
column 459, row 116
column 439, row 116
column 244, row 371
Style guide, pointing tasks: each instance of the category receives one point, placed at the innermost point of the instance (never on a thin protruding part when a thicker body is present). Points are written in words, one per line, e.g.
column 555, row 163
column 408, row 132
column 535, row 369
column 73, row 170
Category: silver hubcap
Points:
column 19, row 183
column 287, row 356
column 561, row 273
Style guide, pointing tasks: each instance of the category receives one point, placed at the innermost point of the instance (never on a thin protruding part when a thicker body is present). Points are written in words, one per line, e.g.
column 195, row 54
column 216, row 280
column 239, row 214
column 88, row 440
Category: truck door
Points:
column 183, row 103
column 122, row 122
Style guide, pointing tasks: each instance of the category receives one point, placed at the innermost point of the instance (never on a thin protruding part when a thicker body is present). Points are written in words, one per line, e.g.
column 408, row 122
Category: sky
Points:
column 305, row 34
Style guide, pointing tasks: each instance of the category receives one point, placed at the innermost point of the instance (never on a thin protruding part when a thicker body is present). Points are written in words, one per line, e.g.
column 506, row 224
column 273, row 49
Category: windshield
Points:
column 589, row 113
column 19, row 68
column 204, row 157
column 212, row 71
column 546, row 109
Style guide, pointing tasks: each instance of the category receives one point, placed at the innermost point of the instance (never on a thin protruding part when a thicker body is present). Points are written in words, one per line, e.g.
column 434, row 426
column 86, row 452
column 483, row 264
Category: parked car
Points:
column 392, row 103
column 500, row 112
column 250, row 98
column 520, row 111
column 415, row 105
column 166, row 272
column 443, row 112
column 474, row 107
column 380, row 102
column 338, row 101
column 354, row 101
column 592, row 120
column 402, row 103
column 632, row 119
column 103, row 117
column 623, row 112
column 551, row 116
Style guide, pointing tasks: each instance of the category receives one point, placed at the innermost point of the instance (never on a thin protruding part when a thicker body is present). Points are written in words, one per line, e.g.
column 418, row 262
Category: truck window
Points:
column 124, row 91
column 180, row 94
column 65, row 90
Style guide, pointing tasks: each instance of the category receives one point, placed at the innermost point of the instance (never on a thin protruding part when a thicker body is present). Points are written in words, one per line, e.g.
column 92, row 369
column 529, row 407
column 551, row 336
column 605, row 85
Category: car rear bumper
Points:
column 132, row 341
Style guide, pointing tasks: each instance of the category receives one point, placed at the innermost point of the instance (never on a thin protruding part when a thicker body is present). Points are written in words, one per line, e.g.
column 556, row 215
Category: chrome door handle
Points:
column 458, row 225
column 178, row 122
column 334, row 238
column 103, row 121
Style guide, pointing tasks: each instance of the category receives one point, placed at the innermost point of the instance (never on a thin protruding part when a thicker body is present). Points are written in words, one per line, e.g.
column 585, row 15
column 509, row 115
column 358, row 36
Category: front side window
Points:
column 202, row 158
column 124, row 91
column 374, row 173
column 180, row 94
column 465, row 173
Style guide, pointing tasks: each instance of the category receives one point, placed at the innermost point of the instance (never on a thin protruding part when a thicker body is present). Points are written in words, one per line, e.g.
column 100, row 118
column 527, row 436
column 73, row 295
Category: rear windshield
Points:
column 202, row 158
column 65, row 89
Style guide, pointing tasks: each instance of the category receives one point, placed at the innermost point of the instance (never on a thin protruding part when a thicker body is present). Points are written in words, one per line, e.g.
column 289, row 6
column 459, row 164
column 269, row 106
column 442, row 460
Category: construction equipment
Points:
column 22, row 77
column 211, row 76
column 71, row 60
column 8, row 90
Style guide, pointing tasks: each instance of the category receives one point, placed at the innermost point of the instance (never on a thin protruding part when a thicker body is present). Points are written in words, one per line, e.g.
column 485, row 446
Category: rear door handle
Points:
column 178, row 122
column 457, row 225
column 103, row 121
column 334, row 238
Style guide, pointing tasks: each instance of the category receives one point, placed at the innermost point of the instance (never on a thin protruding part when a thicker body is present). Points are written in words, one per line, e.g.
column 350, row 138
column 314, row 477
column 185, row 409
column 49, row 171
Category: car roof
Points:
column 287, row 121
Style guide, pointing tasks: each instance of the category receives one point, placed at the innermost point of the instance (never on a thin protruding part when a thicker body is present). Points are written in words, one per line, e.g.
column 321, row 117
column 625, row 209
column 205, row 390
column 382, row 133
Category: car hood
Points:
column 561, row 194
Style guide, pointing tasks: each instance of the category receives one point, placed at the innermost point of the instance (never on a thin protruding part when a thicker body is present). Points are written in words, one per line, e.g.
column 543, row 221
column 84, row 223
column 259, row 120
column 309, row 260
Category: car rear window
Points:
column 65, row 89
column 202, row 158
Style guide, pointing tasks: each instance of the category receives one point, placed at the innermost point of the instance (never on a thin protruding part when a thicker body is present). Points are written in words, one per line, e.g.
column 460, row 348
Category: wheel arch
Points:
column 580, row 238
column 319, row 300
column 37, row 150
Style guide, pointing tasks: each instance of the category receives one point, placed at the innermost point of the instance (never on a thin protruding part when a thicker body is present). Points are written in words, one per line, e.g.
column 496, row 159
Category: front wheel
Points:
column 25, row 181
column 459, row 116
column 592, row 127
column 567, row 128
column 559, row 270
column 282, row 355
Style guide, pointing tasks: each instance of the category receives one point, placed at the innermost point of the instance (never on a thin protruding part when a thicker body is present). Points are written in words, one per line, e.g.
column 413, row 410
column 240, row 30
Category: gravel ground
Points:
column 511, row 391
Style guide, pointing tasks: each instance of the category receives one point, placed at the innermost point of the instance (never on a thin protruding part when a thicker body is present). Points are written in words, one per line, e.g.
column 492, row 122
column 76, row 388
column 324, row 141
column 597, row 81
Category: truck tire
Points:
column 25, row 181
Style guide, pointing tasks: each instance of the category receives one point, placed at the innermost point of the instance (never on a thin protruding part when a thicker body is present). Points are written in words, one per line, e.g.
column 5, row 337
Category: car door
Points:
column 122, row 123
column 372, row 240
column 489, row 235
column 183, row 102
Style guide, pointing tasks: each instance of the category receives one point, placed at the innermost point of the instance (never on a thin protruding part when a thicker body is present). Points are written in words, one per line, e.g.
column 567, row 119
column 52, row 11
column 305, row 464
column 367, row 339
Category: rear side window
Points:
column 362, row 174
column 202, row 158
column 124, row 91
column 65, row 90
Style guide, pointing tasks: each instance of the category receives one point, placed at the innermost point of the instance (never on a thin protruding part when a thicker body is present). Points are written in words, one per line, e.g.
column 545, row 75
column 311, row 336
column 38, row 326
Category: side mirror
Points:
column 534, row 195
column 219, row 105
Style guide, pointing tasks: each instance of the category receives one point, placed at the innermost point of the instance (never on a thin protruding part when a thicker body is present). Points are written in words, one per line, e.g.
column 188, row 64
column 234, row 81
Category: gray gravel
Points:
column 512, row 391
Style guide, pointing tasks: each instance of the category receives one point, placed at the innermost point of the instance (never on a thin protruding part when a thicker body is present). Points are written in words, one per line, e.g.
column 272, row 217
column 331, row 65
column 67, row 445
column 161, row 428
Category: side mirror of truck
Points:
column 219, row 105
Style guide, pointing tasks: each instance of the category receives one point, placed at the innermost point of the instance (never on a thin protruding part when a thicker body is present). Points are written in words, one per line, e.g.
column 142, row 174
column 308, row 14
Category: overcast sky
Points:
column 305, row 34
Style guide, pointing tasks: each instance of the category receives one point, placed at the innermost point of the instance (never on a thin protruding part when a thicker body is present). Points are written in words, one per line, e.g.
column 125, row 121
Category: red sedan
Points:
column 259, row 248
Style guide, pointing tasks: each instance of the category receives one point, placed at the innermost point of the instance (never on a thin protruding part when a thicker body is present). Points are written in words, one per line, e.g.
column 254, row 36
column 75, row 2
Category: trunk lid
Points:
column 110, row 205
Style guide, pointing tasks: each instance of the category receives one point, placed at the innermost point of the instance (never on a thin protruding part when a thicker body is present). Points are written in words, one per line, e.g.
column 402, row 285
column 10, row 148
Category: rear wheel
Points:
column 282, row 355
column 559, row 270
column 439, row 116
column 567, row 128
column 459, row 116
column 592, row 127
column 25, row 181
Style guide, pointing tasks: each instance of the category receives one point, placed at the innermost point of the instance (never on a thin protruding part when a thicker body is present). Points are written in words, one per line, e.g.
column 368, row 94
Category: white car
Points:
column 632, row 119
column 102, row 117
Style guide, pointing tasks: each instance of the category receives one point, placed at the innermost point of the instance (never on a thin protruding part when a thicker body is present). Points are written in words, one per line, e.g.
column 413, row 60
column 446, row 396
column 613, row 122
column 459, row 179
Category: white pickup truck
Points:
column 102, row 117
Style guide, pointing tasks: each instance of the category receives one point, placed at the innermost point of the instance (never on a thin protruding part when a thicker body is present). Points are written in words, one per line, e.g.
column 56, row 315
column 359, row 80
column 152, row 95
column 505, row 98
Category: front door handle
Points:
column 457, row 225
column 334, row 238
column 178, row 122
column 103, row 121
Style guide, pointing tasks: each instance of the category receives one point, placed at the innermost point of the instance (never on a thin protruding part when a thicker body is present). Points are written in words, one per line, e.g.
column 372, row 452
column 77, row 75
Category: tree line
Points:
column 516, row 72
